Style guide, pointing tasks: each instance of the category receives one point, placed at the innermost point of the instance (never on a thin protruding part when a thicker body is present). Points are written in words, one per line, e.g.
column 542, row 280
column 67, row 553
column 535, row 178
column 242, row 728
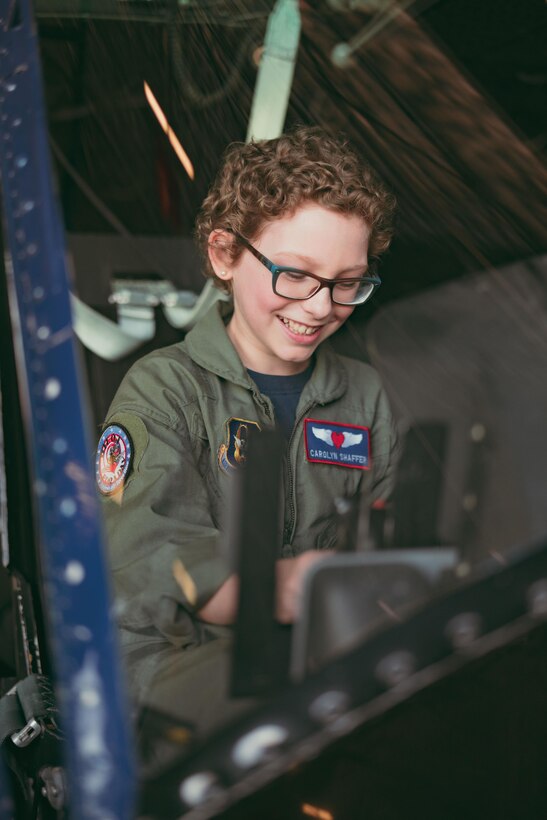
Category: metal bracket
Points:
column 136, row 303
column 54, row 788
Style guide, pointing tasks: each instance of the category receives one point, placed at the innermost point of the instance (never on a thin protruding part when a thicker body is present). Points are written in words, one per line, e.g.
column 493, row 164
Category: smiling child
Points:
column 290, row 228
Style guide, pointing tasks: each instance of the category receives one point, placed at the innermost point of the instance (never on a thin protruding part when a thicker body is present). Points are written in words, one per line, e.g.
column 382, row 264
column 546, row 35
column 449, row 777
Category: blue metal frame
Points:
column 81, row 632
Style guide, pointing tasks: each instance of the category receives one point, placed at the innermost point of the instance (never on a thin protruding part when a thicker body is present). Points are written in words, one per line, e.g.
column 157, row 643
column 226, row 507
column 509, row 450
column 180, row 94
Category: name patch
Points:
column 327, row 442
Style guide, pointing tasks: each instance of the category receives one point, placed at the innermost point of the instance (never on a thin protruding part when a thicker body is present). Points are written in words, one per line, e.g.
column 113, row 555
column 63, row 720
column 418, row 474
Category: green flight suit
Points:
column 176, row 404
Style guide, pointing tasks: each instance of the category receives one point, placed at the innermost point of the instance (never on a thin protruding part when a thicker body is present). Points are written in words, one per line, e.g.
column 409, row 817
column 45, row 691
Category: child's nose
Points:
column 320, row 305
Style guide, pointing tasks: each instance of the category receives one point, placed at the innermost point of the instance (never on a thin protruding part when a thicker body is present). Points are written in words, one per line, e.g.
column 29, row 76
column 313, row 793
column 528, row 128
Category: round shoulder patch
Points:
column 113, row 459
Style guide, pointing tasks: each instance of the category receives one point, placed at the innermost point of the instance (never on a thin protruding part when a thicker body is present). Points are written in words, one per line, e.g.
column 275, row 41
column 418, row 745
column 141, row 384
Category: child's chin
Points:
column 295, row 356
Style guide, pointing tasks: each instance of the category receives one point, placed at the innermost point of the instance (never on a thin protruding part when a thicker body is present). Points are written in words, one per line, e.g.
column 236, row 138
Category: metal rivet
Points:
column 395, row 668
column 21, row 161
column 82, row 633
column 43, row 332
column 52, row 389
column 60, row 446
column 329, row 706
column 341, row 55
column 74, row 573
column 537, row 598
column 68, row 507
column 197, row 788
column 463, row 629
column 257, row 745
column 89, row 697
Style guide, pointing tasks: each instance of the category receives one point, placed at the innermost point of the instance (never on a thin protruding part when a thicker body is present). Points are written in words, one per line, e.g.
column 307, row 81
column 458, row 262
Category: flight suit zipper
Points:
column 265, row 404
column 291, row 526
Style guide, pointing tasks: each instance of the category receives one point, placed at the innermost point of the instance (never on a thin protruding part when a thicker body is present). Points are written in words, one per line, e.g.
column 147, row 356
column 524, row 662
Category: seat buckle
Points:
column 27, row 734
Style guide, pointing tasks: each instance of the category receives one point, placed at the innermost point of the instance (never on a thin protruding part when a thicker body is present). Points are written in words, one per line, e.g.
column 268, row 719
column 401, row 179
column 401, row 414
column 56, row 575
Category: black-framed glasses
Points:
column 293, row 283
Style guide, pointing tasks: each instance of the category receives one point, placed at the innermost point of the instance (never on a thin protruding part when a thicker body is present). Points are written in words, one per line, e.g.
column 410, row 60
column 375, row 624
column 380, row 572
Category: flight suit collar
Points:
column 209, row 346
column 329, row 379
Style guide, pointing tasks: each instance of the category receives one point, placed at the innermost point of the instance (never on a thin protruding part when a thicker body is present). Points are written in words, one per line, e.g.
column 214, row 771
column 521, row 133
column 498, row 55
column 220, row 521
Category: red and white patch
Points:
column 113, row 459
column 328, row 442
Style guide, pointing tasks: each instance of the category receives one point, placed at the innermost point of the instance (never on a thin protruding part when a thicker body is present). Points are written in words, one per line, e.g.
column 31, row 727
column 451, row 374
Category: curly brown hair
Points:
column 265, row 180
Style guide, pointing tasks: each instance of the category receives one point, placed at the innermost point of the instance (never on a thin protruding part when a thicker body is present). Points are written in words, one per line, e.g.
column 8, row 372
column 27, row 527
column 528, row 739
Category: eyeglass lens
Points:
column 296, row 285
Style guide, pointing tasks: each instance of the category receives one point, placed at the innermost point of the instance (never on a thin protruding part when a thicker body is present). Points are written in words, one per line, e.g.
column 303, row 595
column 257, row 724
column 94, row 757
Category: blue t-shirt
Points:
column 284, row 392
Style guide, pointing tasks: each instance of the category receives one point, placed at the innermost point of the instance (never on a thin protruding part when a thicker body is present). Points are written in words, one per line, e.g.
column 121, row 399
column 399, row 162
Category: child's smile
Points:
column 300, row 329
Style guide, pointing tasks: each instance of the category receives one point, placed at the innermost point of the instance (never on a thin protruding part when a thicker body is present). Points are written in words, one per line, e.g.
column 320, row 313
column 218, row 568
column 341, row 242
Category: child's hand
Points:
column 290, row 577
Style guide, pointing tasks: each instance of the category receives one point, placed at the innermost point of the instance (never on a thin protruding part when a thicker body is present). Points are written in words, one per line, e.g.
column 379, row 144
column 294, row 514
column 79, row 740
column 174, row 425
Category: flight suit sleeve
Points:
column 163, row 543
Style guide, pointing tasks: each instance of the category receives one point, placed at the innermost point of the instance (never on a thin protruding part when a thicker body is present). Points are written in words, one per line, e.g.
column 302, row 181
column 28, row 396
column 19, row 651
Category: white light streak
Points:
column 171, row 136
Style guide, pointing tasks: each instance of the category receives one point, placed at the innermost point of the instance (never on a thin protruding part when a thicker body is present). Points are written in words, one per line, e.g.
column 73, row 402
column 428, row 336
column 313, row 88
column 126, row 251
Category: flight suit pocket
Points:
column 206, row 468
column 327, row 538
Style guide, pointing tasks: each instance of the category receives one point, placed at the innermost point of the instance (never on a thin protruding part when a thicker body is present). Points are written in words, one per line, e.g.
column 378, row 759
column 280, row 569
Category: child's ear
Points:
column 220, row 252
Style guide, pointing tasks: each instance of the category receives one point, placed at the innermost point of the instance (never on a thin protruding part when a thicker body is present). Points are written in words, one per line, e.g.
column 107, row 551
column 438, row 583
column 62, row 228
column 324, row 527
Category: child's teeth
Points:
column 297, row 328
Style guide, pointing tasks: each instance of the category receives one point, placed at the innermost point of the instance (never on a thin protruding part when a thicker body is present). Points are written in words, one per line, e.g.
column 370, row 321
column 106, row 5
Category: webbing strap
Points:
column 27, row 714
column 25, row 709
column 12, row 717
column 35, row 696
